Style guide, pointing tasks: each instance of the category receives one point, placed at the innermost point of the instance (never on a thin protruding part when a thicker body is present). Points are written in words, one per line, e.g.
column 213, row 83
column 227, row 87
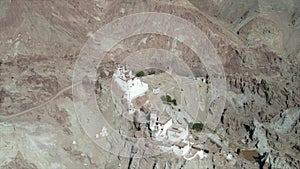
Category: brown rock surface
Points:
column 258, row 43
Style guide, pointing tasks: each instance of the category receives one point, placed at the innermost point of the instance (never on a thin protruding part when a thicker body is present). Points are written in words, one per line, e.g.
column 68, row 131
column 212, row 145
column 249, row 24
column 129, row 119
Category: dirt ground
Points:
column 257, row 42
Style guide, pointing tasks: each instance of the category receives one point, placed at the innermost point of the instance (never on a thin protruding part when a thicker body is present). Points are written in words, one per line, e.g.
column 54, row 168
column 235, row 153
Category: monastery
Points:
column 173, row 136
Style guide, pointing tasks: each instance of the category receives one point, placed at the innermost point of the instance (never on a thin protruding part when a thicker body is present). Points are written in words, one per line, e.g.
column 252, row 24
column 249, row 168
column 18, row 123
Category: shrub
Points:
column 140, row 74
column 168, row 98
column 197, row 126
column 174, row 102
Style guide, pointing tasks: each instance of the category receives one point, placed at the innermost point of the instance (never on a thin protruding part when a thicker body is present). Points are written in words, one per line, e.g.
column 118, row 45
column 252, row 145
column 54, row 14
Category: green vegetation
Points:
column 174, row 102
column 170, row 100
column 151, row 72
column 140, row 74
column 197, row 126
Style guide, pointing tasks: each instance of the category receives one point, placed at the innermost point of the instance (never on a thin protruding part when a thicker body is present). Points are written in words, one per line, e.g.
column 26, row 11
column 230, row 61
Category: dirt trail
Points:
column 7, row 118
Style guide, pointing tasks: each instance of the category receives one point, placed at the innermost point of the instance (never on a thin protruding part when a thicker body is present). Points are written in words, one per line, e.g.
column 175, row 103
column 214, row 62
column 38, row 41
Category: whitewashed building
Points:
column 156, row 90
column 153, row 120
column 181, row 149
column 177, row 133
column 160, row 128
column 167, row 130
column 132, row 86
column 131, row 109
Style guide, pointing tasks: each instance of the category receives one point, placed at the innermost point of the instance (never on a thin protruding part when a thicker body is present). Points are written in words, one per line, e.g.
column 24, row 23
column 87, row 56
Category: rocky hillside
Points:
column 257, row 41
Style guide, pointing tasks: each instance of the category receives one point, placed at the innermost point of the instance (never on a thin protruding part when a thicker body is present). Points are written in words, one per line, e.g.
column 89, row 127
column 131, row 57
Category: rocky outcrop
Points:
column 257, row 41
column 288, row 121
column 19, row 162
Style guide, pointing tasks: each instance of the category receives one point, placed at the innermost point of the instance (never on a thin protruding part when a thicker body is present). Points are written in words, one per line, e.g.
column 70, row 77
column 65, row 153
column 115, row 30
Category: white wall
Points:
column 181, row 151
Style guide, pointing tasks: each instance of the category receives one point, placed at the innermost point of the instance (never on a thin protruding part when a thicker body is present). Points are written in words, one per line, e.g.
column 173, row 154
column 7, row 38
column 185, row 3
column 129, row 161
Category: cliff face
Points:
column 257, row 41
column 263, row 98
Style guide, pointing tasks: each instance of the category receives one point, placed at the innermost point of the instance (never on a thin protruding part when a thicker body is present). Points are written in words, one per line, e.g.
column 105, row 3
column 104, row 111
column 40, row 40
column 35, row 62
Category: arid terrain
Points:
column 258, row 42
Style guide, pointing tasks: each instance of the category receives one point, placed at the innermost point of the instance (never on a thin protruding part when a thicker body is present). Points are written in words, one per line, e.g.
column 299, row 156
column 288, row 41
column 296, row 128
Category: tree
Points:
column 168, row 98
column 140, row 74
column 197, row 126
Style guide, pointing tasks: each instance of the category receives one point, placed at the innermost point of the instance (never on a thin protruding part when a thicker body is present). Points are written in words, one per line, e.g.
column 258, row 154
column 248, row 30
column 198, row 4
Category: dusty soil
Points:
column 258, row 43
